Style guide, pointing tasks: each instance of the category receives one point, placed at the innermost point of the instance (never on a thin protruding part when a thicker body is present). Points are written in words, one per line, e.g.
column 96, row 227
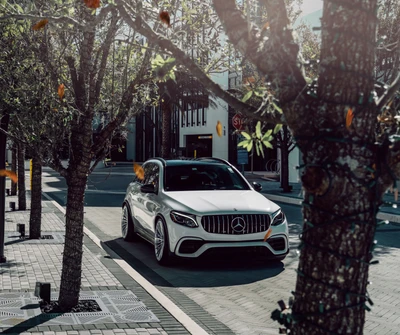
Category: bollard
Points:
column 21, row 229
column 12, row 205
column 42, row 290
column 7, row 191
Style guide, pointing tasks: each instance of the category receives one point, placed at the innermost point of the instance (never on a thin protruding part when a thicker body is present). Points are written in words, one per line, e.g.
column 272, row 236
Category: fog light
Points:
column 42, row 291
column 21, row 229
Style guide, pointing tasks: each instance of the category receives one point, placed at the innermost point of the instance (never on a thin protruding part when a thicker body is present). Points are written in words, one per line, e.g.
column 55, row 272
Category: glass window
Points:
column 196, row 177
column 151, row 174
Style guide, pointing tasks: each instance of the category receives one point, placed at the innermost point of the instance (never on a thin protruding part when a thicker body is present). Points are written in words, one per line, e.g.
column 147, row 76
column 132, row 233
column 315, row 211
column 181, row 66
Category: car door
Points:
column 136, row 203
column 149, row 201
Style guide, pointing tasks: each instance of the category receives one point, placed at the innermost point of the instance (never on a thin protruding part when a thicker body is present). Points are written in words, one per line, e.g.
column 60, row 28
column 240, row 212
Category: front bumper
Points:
column 276, row 247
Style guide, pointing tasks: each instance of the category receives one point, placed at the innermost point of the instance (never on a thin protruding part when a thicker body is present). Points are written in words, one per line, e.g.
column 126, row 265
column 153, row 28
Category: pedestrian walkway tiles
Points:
column 117, row 306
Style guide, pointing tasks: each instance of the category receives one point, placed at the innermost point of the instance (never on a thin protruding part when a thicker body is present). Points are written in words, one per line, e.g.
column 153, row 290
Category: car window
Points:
column 197, row 177
column 151, row 174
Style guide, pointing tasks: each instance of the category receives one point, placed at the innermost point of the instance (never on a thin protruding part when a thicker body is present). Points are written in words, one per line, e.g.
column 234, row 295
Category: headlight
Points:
column 184, row 219
column 278, row 218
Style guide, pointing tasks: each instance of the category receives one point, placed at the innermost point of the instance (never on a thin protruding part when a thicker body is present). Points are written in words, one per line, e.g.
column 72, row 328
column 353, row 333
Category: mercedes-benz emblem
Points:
column 238, row 225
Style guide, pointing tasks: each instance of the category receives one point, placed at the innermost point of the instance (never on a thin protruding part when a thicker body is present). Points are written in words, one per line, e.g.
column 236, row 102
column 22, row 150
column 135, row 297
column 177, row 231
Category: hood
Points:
column 217, row 202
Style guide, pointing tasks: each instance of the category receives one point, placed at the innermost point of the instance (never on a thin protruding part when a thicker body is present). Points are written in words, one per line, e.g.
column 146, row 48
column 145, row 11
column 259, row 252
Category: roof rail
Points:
column 216, row 159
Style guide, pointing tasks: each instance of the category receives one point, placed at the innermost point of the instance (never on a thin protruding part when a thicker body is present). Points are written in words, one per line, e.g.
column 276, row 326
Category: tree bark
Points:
column 284, row 146
column 21, row 178
column 14, row 167
column 4, row 121
column 35, row 219
column 166, row 130
column 73, row 248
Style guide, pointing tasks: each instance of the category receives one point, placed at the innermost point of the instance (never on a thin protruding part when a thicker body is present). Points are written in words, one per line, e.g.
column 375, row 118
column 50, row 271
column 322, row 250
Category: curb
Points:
column 191, row 326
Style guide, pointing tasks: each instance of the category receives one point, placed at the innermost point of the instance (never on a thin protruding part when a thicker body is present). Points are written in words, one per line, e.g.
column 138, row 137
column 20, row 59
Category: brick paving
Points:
column 226, row 301
column 30, row 261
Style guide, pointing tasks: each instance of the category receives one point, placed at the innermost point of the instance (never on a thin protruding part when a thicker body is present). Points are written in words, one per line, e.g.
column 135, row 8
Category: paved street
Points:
column 237, row 295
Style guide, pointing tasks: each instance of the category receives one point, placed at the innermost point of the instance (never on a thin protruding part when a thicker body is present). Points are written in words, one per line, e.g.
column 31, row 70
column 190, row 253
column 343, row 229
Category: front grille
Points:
column 231, row 224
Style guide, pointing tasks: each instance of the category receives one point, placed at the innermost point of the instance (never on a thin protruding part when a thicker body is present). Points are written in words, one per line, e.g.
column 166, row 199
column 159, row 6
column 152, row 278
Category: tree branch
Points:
column 281, row 64
column 389, row 93
column 61, row 19
column 13, row 137
column 197, row 72
column 112, row 29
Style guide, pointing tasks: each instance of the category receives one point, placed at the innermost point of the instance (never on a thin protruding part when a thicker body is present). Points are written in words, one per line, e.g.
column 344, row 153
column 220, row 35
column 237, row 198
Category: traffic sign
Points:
column 237, row 122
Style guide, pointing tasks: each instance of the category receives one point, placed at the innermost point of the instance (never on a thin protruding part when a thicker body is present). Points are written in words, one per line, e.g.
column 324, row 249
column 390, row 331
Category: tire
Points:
column 127, row 227
column 161, row 243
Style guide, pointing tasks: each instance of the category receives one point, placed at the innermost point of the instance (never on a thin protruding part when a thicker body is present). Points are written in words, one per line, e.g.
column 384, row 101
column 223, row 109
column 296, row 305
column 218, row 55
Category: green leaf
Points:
column 257, row 149
column 246, row 135
column 261, row 149
column 18, row 8
column 258, row 129
column 268, row 144
column 250, row 146
column 266, row 135
column 277, row 107
column 247, row 96
column 243, row 144
column 277, row 128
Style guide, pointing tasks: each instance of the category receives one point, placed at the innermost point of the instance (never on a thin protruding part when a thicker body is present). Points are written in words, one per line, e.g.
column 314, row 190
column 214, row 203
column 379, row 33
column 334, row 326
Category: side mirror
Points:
column 256, row 186
column 148, row 188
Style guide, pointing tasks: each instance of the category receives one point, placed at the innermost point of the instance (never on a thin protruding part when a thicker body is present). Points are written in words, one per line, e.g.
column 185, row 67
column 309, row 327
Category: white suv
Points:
column 188, row 208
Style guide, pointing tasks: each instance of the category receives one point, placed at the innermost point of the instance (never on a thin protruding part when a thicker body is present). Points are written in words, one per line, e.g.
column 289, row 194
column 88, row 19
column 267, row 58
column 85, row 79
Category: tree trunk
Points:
column 35, row 219
column 166, row 130
column 284, row 146
column 14, row 167
column 21, row 178
column 336, row 243
column 4, row 121
column 73, row 248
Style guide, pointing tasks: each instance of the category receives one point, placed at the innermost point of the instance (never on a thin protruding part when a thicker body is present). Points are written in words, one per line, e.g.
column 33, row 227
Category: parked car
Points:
column 191, row 207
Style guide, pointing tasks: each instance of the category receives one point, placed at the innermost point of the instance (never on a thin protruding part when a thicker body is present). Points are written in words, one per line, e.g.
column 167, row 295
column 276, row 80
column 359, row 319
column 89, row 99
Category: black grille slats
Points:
column 222, row 224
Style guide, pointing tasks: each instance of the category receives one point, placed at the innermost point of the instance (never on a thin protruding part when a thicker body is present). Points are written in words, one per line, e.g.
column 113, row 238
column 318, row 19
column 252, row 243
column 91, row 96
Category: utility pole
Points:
column 3, row 141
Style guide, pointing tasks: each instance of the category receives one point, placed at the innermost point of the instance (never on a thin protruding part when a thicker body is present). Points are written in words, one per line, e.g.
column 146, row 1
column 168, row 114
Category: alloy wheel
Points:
column 124, row 222
column 159, row 240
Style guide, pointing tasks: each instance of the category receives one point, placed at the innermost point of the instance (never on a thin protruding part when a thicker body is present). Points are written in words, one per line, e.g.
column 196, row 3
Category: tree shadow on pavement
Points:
column 35, row 321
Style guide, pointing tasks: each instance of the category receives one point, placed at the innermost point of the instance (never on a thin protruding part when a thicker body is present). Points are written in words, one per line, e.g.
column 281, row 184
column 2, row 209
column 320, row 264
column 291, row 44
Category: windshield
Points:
column 196, row 177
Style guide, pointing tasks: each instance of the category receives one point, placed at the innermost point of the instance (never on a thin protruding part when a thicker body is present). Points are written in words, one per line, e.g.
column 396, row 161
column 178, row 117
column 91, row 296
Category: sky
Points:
column 310, row 6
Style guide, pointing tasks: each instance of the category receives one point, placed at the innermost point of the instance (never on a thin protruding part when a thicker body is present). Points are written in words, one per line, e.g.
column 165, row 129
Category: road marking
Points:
column 191, row 326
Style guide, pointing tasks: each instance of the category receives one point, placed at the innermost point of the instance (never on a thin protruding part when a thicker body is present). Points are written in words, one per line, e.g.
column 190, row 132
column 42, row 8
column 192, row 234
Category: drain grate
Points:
column 116, row 306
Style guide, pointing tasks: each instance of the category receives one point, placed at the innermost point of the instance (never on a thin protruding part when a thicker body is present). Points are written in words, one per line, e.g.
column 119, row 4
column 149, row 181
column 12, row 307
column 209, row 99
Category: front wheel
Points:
column 161, row 243
column 127, row 228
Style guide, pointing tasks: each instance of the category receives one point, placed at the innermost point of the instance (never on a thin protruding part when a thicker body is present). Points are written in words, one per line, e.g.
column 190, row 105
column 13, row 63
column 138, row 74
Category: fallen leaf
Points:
column 61, row 90
column 349, row 118
column 92, row 3
column 268, row 234
column 10, row 174
column 164, row 17
column 219, row 128
column 138, row 171
column 41, row 24
column 265, row 26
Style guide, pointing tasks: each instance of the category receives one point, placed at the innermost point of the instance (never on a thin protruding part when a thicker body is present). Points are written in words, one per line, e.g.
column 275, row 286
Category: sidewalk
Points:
column 126, row 307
